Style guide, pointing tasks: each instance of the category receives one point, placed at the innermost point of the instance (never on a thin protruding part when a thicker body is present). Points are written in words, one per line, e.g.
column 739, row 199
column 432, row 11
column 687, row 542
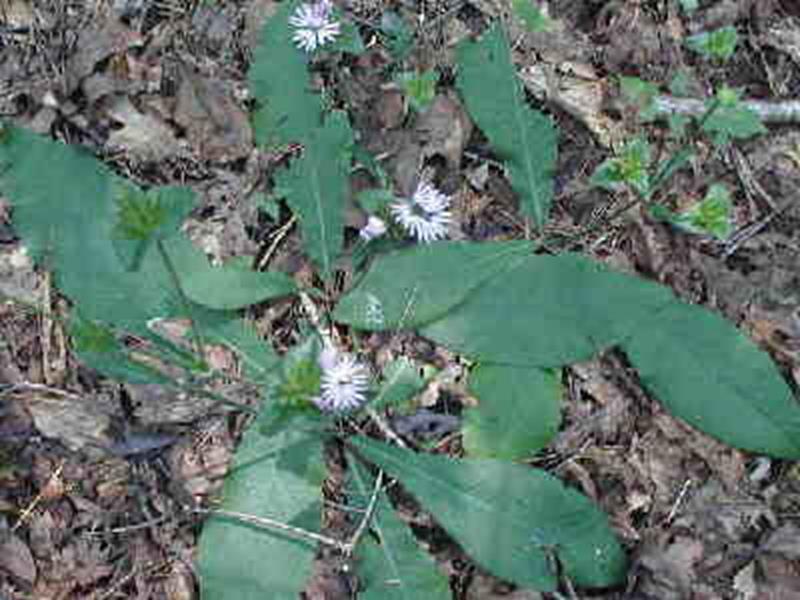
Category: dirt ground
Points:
column 98, row 480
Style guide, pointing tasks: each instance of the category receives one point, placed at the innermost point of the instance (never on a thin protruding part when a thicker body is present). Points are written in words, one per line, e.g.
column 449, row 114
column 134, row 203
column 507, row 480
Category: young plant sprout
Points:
column 425, row 215
column 374, row 228
column 344, row 382
column 314, row 25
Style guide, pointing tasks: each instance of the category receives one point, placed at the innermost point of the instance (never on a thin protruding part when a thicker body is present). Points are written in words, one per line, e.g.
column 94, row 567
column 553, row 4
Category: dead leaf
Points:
column 78, row 422
column 96, row 43
column 142, row 134
column 445, row 128
column 216, row 126
column 16, row 558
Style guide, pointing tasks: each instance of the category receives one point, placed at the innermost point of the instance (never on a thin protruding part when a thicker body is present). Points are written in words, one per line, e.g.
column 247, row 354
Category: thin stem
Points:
column 187, row 307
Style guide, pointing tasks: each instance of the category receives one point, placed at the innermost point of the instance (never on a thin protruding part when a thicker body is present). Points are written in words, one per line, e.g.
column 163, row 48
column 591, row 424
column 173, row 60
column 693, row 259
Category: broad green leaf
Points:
column 145, row 217
column 317, row 185
column 391, row 564
column 280, row 82
column 67, row 221
column 709, row 374
column 518, row 414
column 548, row 311
column 278, row 478
column 228, row 288
column 413, row 286
column 524, row 139
column 509, row 518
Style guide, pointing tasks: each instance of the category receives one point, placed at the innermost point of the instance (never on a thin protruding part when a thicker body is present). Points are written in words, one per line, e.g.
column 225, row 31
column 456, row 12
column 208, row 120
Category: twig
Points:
column 272, row 524
column 362, row 527
column 774, row 111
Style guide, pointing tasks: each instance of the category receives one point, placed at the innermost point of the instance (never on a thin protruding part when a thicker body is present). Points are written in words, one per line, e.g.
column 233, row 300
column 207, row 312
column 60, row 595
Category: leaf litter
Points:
column 692, row 512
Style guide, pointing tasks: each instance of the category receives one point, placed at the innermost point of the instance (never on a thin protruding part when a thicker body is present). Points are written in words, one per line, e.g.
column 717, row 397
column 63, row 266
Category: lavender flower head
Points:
column 425, row 215
column 314, row 25
column 344, row 382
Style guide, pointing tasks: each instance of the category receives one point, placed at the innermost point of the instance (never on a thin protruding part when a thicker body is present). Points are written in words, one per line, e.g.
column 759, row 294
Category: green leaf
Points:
column 640, row 95
column 419, row 88
column 391, row 564
column 711, row 216
column 317, row 186
column 78, row 193
column 280, row 82
column 630, row 167
column 548, row 311
column 413, row 286
column 509, row 518
column 531, row 16
column 712, row 376
column 278, row 478
column 718, row 44
column 402, row 380
column 375, row 200
column 730, row 118
column 349, row 39
column 98, row 348
column 518, row 415
column 524, row 139
column 228, row 288
column 145, row 217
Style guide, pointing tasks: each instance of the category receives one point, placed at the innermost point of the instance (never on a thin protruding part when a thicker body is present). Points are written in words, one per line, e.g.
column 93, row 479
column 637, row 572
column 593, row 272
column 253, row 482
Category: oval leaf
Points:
column 413, row 286
column 392, row 566
column 229, row 288
column 276, row 477
column 708, row 373
column 519, row 411
column 549, row 311
column 509, row 518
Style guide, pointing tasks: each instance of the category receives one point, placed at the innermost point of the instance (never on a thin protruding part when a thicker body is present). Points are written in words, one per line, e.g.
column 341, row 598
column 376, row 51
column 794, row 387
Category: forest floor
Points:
column 97, row 479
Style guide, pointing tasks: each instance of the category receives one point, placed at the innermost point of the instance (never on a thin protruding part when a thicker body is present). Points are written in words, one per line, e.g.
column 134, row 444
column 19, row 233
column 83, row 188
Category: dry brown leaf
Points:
column 143, row 135
column 16, row 557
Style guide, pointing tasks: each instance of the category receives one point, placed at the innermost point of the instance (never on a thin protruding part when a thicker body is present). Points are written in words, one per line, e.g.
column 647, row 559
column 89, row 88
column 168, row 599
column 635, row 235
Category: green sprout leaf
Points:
column 532, row 17
column 731, row 118
column 509, row 518
column 524, row 139
column 399, row 36
column 719, row 44
column 629, row 168
column 402, row 380
column 711, row 216
column 419, row 87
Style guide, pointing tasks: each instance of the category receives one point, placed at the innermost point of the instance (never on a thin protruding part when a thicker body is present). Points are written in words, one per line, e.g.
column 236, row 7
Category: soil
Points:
column 99, row 481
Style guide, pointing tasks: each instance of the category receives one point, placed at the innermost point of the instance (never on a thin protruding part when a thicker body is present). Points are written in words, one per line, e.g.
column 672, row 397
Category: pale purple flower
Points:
column 425, row 215
column 374, row 228
column 314, row 25
column 344, row 381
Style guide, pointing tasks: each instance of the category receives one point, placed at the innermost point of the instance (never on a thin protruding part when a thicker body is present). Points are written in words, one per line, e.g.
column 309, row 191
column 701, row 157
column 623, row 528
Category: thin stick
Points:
column 776, row 111
column 362, row 527
column 272, row 524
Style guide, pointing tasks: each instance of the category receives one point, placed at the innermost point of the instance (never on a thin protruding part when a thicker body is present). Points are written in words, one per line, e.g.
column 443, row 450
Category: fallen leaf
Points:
column 16, row 558
column 143, row 135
